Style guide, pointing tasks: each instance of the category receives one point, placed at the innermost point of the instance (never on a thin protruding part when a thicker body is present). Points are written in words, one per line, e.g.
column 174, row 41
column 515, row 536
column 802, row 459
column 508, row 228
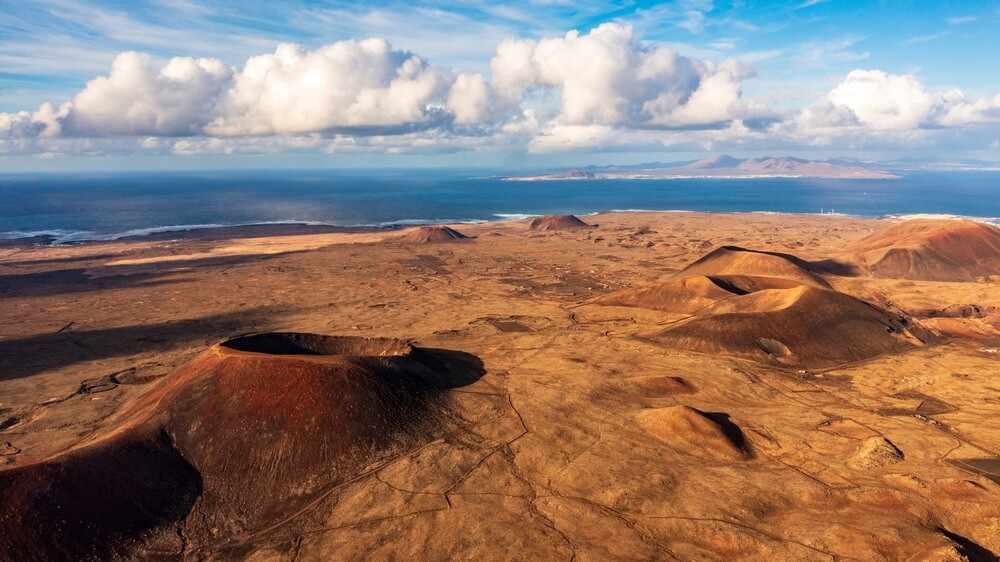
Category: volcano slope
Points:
column 557, row 222
column 710, row 436
column 771, row 308
column 98, row 502
column 930, row 250
column 804, row 326
column 239, row 439
column 431, row 235
column 734, row 260
column 689, row 295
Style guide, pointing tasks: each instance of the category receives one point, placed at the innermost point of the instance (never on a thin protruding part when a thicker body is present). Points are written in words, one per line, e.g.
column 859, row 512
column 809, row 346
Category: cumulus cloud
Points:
column 137, row 98
column 346, row 85
column 513, row 71
column 885, row 101
column 716, row 99
column 349, row 85
column 469, row 99
column 601, row 90
column 16, row 124
column 610, row 77
column 607, row 77
column 879, row 101
column 985, row 110
column 24, row 124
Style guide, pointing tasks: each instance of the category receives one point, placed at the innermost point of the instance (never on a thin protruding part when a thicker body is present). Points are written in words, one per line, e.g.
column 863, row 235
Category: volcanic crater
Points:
column 771, row 308
column 241, row 438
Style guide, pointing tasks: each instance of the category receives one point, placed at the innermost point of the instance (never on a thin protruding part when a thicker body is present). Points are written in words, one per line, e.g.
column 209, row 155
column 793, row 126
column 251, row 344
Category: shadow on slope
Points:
column 31, row 355
column 255, row 428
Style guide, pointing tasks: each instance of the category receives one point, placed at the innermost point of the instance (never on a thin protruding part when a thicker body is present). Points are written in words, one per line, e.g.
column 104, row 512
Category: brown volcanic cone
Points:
column 285, row 415
column 799, row 326
column 259, row 426
column 691, row 294
column 97, row 502
column 930, row 250
column 431, row 235
column 710, row 436
column 557, row 222
column 733, row 260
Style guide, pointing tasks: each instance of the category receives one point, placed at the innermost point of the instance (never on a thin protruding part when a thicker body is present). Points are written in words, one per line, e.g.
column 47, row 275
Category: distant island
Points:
column 722, row 167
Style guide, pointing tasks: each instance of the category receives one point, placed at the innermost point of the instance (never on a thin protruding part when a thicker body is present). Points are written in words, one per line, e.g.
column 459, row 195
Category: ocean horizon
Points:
column 106, row 206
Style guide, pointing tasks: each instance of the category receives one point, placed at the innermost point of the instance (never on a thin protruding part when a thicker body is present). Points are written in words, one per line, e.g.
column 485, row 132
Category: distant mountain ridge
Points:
column 725, row 167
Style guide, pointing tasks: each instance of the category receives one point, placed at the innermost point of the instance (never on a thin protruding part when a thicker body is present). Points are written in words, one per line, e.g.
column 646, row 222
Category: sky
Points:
column 186, row 84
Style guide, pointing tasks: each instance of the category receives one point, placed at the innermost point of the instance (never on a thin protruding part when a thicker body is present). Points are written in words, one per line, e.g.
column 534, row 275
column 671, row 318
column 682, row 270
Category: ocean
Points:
column 93, row 206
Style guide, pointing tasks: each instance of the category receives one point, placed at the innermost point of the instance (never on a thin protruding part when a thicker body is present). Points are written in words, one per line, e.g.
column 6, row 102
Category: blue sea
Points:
column 95, row 206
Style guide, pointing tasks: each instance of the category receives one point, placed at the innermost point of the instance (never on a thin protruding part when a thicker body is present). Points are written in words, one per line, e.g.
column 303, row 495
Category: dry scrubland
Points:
column 647, row 386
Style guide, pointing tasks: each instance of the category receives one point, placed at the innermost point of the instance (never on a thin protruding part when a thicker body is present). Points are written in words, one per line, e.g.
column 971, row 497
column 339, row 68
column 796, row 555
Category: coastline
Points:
column 47, row 210
column 53, row 237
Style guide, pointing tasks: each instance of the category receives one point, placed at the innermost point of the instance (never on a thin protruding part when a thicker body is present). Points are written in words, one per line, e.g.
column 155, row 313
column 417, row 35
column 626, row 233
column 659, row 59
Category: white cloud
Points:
column 602, row 90
column 825, row 114
column 554, row 137
column 513, row 71
column 137, row 98
column 926, row 38
column 985, row 110
column 717, row 99
column 822, row 53
column 346, row 85
column 875, row 108
column 201, row 146
column 961, row 19
column 693, row 16
column 609, row 77
column 885, row 101
column 24, row 124
column 16, row 124
column 694, row 21
column 468, row 99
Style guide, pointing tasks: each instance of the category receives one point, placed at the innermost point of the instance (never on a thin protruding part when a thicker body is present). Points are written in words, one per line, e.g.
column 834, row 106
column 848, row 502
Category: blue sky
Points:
column 773, row 66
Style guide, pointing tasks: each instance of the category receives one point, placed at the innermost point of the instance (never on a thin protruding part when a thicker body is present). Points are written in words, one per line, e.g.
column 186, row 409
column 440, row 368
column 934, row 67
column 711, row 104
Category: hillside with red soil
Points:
column 431, row 235
column 691, row 294
column 930, row 250
column 707, row 435
column 799, row 326
column 254, row 428
column 733, row 260
column 557, row 222
column 771, row 308
column 99, row 502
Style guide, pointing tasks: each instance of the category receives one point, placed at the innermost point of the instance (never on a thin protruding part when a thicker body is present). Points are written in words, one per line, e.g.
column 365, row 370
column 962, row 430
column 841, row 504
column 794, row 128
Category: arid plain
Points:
column 648, row 386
